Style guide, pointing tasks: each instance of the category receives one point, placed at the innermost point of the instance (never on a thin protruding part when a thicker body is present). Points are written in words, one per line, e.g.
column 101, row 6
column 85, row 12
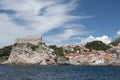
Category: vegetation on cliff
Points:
column 27, row 53
column 115, row 42
column 5, row 52
column 97, row 45
column 58, row 50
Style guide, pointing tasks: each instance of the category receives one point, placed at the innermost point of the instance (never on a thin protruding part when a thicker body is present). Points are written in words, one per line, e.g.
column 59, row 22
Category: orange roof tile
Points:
column 116, row 47
column 108, row 56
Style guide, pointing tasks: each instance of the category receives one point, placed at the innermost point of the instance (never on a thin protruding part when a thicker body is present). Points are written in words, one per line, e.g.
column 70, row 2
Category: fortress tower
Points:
column 34, row 39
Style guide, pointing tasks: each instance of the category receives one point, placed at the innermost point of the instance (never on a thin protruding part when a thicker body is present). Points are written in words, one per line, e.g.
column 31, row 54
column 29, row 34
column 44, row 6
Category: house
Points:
column 115, row 50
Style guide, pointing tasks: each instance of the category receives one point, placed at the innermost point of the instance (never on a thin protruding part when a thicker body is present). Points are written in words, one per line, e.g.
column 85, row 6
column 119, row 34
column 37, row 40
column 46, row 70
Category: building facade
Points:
column 34, row 39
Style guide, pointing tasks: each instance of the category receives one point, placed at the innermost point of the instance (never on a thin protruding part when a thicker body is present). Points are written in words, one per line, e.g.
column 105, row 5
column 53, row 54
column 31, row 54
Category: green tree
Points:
column 115, row 42
column 97, row 45
column 5, row 51
column 58, row 50
column 77, row 48
column 34, row 47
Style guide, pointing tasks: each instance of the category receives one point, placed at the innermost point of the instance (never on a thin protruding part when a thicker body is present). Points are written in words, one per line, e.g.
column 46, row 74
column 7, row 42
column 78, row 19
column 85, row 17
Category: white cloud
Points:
column 91, row 38
column 118, row 33
column 66, row 35
column 59, row 38
column 39, row 16
column 9, row 31
column 28, row 11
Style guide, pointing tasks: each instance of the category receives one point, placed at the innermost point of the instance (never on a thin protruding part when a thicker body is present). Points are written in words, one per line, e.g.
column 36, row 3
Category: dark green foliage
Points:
column 41, row 43
column 85, row 50
column 8, row 47
column 77, row 48
column 3, row 57
column 34, row 47
column 115, row 42
column 69, row 51
column 5, row 51
column 58, row 51
column 97, row 45
column 15, row 44
column 29, row 44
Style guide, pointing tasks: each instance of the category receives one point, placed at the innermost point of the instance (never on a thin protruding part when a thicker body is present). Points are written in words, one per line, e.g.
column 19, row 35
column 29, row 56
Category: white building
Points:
column 34, row 39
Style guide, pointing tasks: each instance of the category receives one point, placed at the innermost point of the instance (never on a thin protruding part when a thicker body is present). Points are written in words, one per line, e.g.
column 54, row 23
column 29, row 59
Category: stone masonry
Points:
column 34, row 39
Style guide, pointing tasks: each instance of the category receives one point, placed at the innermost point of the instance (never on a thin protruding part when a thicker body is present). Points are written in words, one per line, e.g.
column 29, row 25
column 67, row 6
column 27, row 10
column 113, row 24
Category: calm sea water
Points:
column 59, row 73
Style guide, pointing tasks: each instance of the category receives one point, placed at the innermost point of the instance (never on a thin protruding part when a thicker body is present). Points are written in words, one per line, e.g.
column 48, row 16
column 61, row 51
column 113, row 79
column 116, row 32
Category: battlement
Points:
column 34, row 39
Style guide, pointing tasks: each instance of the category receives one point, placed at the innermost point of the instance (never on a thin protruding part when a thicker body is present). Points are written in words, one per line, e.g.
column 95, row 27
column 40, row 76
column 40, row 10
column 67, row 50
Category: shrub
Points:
column 97, row 45
column 34, row 47
column 115, row 42
column 15, row 44
column 58, row 51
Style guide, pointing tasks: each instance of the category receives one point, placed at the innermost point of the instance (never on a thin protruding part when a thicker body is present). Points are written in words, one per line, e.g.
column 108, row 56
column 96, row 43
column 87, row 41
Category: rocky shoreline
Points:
column 64, row 64
column 41, row 54
column 29, row 54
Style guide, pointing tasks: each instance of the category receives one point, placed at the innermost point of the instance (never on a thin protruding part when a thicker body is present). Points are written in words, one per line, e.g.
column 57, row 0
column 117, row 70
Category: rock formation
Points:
column 25, row 53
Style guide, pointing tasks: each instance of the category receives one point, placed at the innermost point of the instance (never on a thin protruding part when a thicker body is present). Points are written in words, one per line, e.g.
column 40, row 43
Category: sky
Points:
column 60, row 22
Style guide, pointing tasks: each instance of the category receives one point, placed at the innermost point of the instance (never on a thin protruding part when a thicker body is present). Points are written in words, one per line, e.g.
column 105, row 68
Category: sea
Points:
column 62, row 72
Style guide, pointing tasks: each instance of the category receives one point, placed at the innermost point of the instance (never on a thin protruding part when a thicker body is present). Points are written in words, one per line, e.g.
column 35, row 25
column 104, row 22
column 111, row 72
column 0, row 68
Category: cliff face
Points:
column 30, row 54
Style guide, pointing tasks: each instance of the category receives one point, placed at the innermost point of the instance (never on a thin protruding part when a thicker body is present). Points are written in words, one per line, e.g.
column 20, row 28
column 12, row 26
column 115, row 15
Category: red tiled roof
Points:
column 108, row 56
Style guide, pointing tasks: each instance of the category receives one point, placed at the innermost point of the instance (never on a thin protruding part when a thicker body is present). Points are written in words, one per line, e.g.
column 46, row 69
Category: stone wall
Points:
column 30, row 39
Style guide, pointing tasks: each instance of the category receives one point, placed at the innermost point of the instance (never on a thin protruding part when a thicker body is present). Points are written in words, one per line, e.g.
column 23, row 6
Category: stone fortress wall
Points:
column 34, row 39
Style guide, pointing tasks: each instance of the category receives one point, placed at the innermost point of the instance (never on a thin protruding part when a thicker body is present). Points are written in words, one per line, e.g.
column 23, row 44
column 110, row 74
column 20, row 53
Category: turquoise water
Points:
column 59, row 73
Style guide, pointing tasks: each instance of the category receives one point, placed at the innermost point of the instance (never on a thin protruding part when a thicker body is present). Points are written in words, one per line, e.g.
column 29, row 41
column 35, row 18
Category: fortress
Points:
column 34, row 39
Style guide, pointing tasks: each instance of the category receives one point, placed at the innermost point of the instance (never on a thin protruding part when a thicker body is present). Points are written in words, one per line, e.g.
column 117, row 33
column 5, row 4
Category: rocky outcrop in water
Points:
column 23, row 54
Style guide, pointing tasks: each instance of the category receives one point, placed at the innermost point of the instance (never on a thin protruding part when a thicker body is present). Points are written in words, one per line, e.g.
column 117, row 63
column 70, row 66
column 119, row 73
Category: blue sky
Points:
column 60, row 22
column 107, row 16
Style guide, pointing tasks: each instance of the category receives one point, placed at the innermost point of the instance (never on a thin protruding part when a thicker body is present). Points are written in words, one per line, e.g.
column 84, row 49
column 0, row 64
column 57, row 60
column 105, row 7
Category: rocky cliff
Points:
column 23, row 54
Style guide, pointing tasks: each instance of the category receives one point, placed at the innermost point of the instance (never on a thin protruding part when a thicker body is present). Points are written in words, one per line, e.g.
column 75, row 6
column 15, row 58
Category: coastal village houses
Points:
column 96, row 57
